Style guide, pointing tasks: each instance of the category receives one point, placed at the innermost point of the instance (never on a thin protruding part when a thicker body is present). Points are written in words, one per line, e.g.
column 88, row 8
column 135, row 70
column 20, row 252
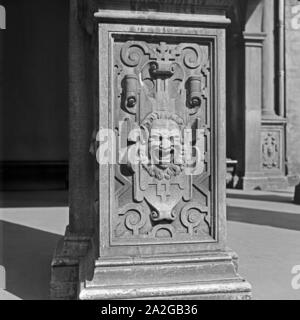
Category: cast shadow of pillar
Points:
column 284, row 220
column 27, row 259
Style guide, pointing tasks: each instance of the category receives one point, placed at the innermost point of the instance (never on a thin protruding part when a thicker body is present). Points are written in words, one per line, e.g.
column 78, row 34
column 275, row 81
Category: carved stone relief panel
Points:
column 271, row 150
column 162, row 117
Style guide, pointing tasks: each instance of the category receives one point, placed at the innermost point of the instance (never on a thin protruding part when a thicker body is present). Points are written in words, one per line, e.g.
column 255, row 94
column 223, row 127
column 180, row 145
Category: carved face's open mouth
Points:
column 163, row 157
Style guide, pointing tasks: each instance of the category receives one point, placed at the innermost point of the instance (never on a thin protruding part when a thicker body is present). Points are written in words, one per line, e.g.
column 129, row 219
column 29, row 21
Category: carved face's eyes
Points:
column 169, row 138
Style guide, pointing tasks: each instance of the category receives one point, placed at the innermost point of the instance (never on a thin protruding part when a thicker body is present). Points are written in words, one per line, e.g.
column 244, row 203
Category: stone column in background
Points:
column 273, row 159
column 265, row 160
column 292, row 44
column 268, row 106
column 254, row 39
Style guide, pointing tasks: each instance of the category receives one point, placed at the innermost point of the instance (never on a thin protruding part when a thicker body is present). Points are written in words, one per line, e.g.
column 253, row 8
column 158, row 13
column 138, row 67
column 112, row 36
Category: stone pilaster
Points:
column 265, row 160
column 253, row 107
column 268, row 106
column 273, row 159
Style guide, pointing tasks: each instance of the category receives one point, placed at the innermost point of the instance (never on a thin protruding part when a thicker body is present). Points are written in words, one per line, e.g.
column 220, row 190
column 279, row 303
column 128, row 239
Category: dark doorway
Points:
column 34, row 109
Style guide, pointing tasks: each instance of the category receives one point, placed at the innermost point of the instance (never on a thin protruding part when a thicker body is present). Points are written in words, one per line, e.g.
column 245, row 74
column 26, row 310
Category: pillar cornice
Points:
column 232, row 9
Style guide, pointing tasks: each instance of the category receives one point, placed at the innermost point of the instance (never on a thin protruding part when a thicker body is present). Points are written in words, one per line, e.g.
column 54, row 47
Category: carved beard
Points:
column 173, row 170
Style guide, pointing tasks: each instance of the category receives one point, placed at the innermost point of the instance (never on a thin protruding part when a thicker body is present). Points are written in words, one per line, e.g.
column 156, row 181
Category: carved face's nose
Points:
column 163, row 152
column 165, row 143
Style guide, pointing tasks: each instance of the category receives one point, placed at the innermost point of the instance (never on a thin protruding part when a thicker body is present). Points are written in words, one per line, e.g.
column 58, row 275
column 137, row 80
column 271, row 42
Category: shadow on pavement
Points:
column 27, row 260
column 287, row 198
column 263, row 217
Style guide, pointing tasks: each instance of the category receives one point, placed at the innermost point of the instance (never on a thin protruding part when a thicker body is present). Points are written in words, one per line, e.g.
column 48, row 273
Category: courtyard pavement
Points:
column 263, row 228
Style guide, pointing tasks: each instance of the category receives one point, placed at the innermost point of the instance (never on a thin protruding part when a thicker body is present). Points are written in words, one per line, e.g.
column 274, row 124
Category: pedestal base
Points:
column 265, row 183
column 267, row 169
column 209, row 276
column 73, row 259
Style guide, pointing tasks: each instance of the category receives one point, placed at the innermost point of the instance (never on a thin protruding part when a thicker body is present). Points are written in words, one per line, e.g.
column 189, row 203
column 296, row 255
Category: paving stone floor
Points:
column 263, row 228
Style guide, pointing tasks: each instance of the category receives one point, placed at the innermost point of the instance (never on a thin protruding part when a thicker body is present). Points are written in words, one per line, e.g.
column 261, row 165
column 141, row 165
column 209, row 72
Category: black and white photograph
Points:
column 149, row 151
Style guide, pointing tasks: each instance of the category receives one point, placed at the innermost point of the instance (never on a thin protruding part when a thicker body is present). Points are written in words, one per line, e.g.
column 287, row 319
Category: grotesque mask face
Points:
column 165, row 137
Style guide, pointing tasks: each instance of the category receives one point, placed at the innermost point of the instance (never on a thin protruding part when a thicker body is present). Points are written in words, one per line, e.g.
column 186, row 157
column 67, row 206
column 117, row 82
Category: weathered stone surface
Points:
column 64, row 290
column 160, row 225
column 157, row 219
column 77, row 242
column 195, row 277
column 71, row 256
column 159, row 196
